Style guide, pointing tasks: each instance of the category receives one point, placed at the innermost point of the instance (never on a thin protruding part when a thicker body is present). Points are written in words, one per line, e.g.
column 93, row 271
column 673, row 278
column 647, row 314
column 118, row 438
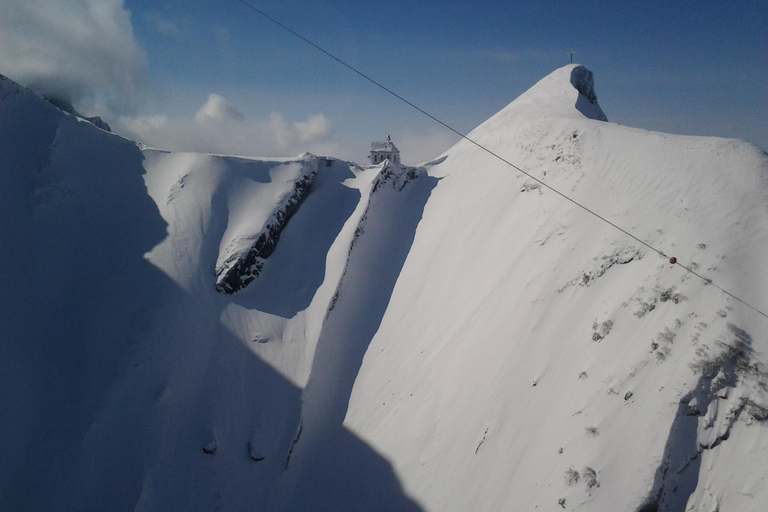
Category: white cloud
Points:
column 315, row 127
column 74, row 49
column 286, row 135
column 217, row 109
column 218, row 127
column 144, row 124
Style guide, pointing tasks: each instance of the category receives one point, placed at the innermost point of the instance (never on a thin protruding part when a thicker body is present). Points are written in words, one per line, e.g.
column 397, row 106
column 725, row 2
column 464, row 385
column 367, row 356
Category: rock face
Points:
column 98, row 122
column 397, row 176
column 241, row 269
column 584, row 82
column 66, row 105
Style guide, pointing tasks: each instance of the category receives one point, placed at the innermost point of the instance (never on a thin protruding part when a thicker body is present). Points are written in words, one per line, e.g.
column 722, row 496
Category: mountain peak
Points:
column 567, row 92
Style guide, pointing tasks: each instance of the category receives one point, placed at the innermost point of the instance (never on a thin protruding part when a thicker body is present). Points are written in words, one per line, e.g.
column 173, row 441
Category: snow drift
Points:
column 448, row 337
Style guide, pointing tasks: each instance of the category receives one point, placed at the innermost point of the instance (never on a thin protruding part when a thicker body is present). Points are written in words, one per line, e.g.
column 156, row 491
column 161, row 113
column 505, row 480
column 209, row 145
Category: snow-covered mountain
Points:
column 199, row 332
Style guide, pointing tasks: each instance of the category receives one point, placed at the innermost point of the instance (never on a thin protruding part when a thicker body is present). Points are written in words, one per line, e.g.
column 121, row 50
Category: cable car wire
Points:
column 463, row 136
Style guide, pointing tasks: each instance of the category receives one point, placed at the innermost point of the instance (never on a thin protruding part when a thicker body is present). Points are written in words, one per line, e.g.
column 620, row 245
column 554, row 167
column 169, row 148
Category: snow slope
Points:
column 526, row 340
column 129, row 381
column 204, row 332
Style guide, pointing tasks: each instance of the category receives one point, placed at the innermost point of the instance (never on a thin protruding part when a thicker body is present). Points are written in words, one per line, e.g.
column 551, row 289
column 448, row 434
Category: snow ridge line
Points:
column 398, row 177
column 399, row 180
column 10, row 88
column 296, row 438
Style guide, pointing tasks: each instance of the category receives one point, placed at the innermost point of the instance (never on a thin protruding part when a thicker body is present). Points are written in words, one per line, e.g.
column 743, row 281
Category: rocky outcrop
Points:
column 241, row 268
column 98, row 123
column 705, row 418
column 66, row 105
column 8, row 87
column 622, row 256
column 396, row 175
column 584, row 82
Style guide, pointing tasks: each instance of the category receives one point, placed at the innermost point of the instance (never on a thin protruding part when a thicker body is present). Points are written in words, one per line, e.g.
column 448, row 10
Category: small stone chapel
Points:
column 381, row 151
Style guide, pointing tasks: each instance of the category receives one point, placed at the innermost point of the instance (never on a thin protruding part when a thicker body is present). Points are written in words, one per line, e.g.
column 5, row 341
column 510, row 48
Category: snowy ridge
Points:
column 398, row 177
column 8, row 87
column 393, row 204
column 449, row 338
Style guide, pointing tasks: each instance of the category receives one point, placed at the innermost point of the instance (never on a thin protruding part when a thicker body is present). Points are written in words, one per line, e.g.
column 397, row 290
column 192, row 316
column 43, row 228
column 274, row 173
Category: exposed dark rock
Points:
column 618, row 257
column 670, row 295
column 210, row 448
column 293, row 443
column 254, row 454
column 235, row 277
column 590, row 478
column 601, row 330
column 481, row 441
column 693, row 407
column 571, row 476
column 526, row 187
column 678, row 474
column 584, row 82
column 397, row 176
column 98, row 123
column 66, row 105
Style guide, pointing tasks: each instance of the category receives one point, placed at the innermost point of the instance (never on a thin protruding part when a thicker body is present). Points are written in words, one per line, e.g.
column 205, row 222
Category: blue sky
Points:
column 697, row 68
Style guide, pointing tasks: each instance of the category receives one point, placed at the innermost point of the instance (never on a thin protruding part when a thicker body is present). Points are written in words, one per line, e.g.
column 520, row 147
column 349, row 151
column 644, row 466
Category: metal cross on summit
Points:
column 571, row 53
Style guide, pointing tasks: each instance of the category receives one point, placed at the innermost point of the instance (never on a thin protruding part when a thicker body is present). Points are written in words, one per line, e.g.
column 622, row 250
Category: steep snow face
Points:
column 128, row 381
column 381, row 242
column 256, row 199
column 531, row 356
